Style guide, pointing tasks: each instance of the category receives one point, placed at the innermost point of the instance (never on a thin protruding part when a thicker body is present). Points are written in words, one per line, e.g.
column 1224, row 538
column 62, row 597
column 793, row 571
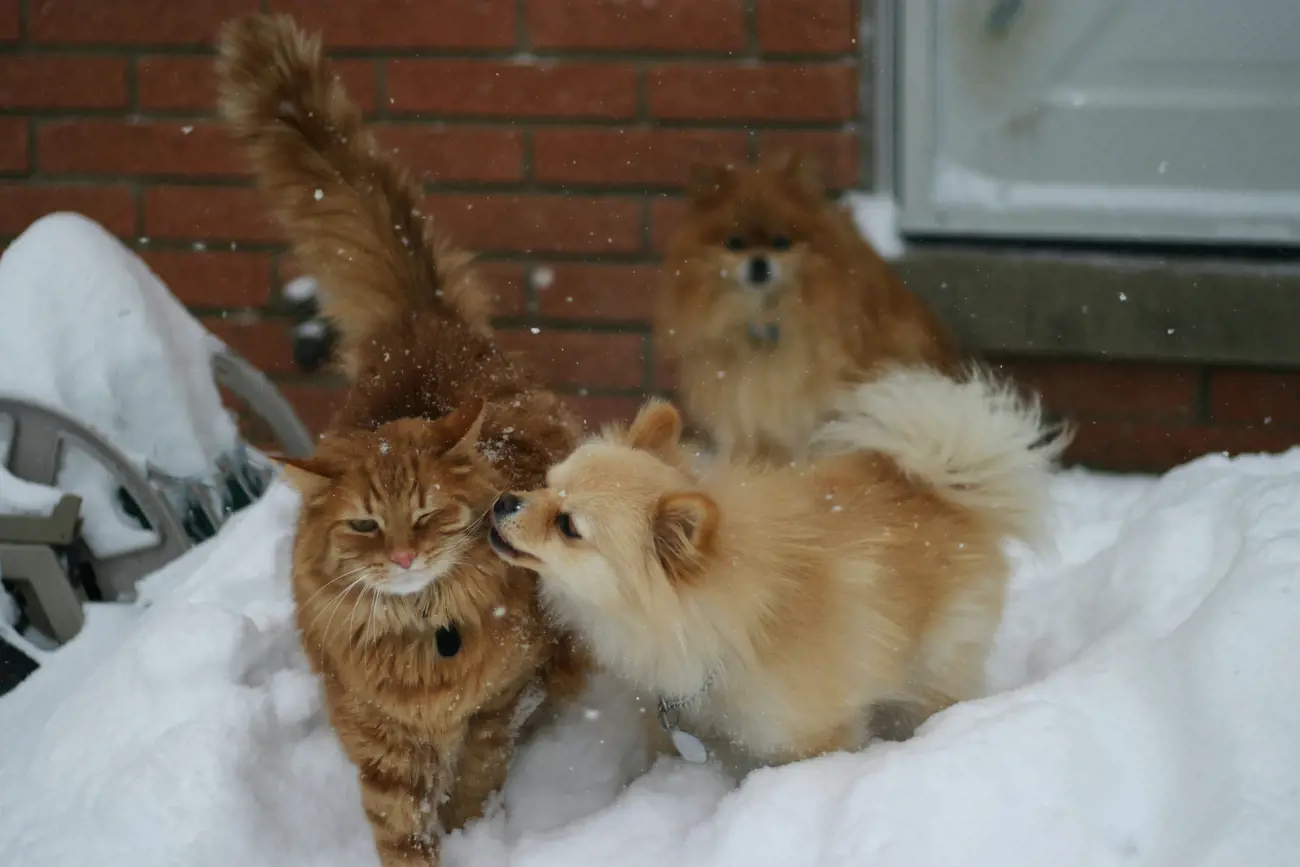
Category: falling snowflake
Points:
column 542, row 278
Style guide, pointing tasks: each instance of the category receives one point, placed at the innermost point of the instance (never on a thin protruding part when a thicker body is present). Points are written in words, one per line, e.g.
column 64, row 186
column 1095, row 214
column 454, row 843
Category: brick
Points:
column 627, row 25
column 609, row 293
column 21, row 205
column 838, row 154
column 457, row 153
column 580, row 359
column 506, row 282
column 214, row 279
column 666, row 214
column 1254, row 396
column 651, row 157
column 10, row 21
column 315, row 403
column 13, row 145
column 61, row 81
column 1110, row 389
column 806, row 26
column 407, row 23
column 663, row 371
column 189, row 83
column 489, row 88
column 1154, row 448
column 775, row 91
column 225, row 213
column 598, row 410
column 538, row 223
column 133, row 22
column 118, row 147
column 267, row 344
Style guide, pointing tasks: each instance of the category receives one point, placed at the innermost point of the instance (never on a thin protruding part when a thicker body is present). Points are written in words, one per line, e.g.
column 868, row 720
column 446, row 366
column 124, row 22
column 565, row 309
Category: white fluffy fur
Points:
column 975, row 439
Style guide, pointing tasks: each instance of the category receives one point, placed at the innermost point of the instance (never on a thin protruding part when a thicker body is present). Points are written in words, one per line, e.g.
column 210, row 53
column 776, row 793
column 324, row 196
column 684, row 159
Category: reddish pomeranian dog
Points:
column 773, row 303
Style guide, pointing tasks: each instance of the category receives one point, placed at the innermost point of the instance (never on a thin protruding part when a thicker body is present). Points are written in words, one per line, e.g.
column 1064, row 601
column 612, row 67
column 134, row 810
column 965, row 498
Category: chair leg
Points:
column 54, row 598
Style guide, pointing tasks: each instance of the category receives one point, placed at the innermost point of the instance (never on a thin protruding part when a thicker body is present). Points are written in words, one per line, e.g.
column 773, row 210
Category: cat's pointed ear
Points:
column 685, row 526
column 657, row 429
column 461, row 430
column 707, row 182
column 308, row 476
column 799, row 170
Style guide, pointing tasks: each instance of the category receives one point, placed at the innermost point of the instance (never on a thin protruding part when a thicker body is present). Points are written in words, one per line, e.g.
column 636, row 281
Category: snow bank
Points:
column 87, row 328
column 1146, row 713
column 876, row 217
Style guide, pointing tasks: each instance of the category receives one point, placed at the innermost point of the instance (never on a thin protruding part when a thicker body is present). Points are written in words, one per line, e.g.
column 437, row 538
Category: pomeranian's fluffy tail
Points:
column 349, row 210
column 981, row 445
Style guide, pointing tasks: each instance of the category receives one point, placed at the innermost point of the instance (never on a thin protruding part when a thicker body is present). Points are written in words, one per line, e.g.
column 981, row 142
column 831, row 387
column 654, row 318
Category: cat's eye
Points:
column 363, row 525
column 424, row 519
column 735, row 242
column 780, row 242
column 564, row 523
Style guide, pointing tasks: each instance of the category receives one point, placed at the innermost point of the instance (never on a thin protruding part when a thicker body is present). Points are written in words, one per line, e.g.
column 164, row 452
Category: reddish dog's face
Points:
column 750, row 237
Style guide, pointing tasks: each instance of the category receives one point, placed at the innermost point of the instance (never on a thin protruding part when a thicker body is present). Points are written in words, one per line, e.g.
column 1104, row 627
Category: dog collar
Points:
column 767, row 333
column 688, row 746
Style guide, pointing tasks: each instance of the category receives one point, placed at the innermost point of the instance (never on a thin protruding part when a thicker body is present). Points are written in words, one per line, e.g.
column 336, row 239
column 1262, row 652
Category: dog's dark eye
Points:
column 363, row 525
column 780, row 242
column 564, row 523
column 735, row 242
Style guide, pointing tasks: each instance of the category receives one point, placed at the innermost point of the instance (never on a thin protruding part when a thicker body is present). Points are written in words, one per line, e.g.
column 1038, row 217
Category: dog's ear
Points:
column 308, row 476
column 657, row 429
column 800, row 171
column 708, row 182
column 461, row 429
column 685, row 525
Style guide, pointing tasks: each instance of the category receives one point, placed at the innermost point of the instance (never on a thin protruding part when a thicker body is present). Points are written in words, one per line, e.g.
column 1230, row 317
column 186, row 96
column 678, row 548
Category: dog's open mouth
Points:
column 504, row 549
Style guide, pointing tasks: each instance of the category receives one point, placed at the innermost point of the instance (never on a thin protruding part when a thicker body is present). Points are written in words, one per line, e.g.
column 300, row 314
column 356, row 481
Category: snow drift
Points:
column 1145, row 712
column 87, row 328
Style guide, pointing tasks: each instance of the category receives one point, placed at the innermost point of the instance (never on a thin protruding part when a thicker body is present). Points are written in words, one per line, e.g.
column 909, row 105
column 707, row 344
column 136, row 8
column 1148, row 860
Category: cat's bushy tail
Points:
column 349, row 210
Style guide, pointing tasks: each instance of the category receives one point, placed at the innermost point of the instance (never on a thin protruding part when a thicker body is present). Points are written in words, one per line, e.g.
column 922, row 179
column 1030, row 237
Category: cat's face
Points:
column 398, row 508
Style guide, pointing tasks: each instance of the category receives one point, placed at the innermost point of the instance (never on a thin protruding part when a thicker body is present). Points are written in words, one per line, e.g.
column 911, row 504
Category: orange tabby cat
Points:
column 432, row 652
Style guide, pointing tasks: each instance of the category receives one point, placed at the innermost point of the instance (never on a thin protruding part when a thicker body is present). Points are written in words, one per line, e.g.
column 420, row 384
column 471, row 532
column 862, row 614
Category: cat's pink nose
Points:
column 403, row 558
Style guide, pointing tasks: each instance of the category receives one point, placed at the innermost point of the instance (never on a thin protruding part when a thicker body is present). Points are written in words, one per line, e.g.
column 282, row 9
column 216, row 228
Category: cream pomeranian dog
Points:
column 772, row 611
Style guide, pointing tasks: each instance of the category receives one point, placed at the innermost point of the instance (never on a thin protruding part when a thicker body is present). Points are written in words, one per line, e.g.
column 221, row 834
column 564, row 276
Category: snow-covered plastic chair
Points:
column 109, row 391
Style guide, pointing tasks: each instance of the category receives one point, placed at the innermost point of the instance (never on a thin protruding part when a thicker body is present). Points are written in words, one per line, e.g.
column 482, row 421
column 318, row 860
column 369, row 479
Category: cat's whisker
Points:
column 334, row 580
column 338, row 603
column 410, row 609
column 374, row 610
column 474, row 523
column 334, row 602
column 361, row 597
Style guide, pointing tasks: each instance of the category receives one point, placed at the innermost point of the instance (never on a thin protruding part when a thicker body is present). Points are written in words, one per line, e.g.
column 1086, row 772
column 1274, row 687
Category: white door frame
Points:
column 905, row 123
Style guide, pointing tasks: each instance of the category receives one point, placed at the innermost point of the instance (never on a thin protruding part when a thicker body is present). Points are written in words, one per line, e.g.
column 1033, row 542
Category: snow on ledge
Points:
column 876, row 216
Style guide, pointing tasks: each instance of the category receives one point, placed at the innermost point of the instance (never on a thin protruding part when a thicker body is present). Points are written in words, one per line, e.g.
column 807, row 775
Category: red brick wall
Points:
column 554, row 134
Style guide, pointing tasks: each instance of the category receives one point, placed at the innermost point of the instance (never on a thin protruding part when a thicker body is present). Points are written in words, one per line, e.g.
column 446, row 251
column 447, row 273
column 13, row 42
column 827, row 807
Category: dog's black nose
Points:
column 506, row 504
column 760, row 270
